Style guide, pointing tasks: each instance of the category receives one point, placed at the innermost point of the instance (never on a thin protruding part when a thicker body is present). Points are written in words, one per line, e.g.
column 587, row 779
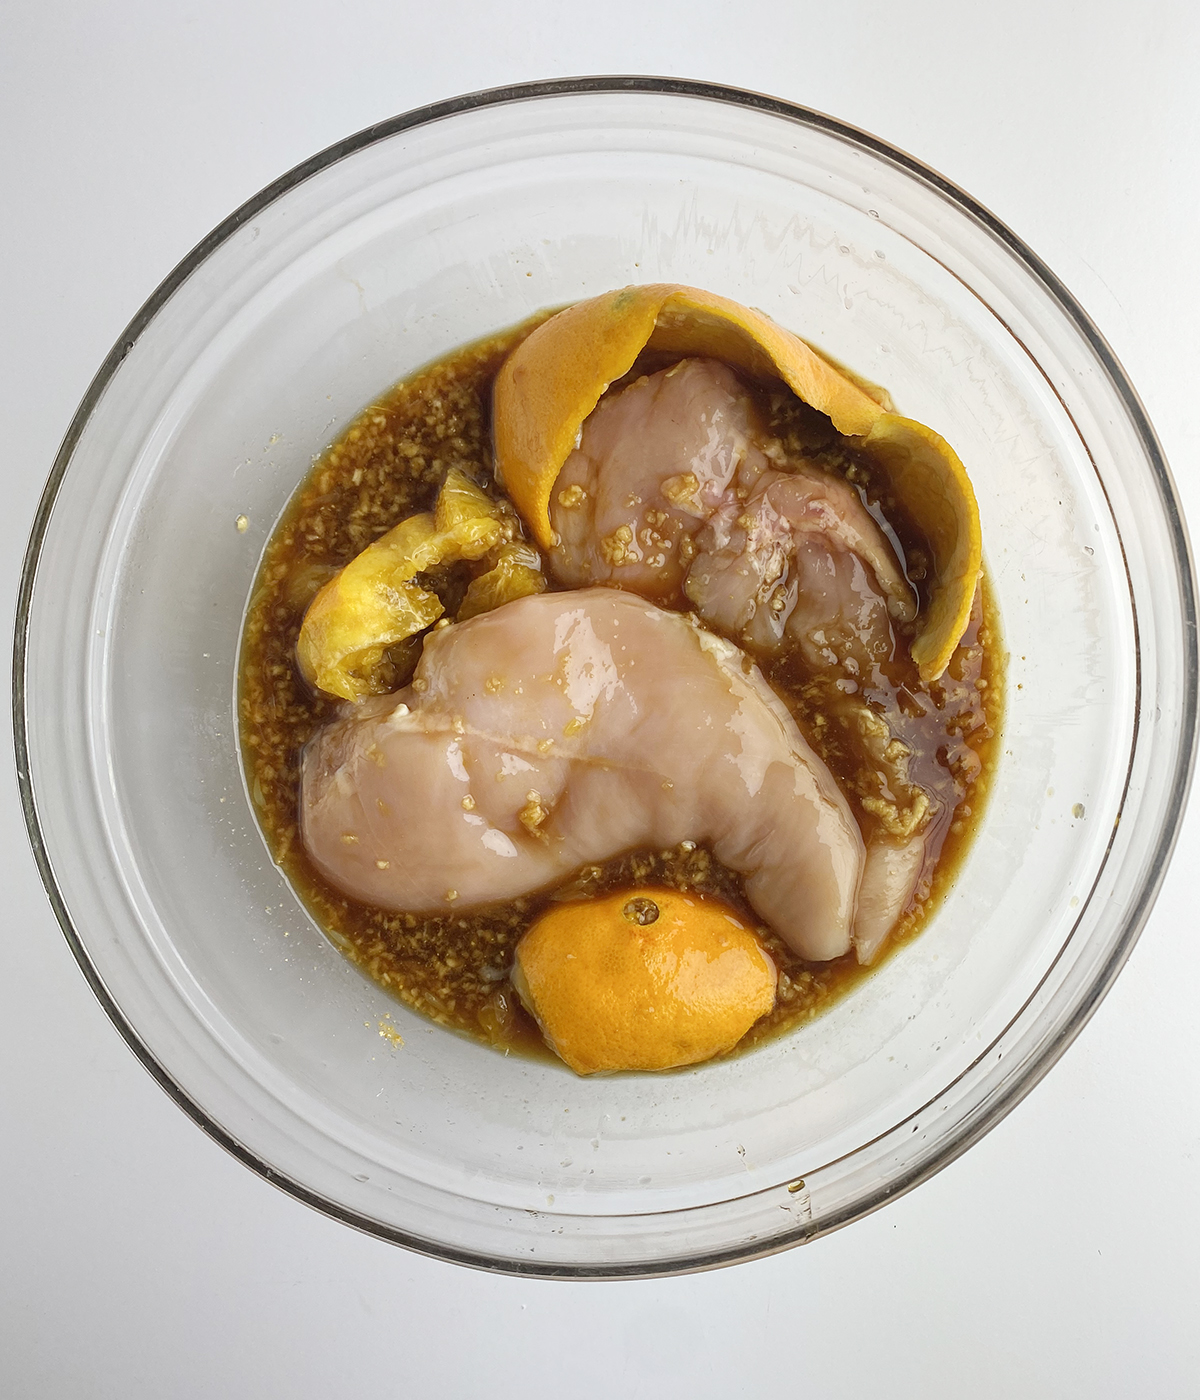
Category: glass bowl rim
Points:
column 1139, row 909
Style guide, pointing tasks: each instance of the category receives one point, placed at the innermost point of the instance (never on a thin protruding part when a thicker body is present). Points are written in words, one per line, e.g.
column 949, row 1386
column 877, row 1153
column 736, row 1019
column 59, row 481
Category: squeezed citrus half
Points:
column 644, row 979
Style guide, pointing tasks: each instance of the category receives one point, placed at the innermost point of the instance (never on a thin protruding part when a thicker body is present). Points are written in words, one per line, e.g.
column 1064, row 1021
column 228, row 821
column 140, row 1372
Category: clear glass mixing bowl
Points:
column 359, row 266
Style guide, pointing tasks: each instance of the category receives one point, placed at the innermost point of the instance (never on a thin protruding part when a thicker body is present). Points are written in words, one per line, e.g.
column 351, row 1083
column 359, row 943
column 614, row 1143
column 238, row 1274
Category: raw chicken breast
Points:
column 895, row 857
column 890, row 876
column 670, row 471
column 564, row 729
column 672, row 495
column 654, row 462
column 801, row 557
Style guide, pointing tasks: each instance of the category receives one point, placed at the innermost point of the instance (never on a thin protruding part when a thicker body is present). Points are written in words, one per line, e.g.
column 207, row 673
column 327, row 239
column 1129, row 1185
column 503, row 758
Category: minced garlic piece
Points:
column 616, row 547
column 896, row 820
column 533, row 814
column 680, row 489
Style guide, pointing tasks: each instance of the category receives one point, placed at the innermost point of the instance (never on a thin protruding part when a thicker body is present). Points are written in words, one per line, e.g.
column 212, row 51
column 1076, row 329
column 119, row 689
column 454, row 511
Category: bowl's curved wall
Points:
column 351, row 273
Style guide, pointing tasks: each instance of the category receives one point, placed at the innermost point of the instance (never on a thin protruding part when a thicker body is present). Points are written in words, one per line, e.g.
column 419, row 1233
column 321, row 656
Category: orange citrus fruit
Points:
column 553, row 380
column 643, row 979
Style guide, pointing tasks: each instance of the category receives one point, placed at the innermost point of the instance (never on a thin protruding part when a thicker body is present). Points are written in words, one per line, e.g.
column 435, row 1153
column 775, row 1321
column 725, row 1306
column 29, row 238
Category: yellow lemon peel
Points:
column 553, row 380
column 373, row 603
column 516, row 573
column 644, row 979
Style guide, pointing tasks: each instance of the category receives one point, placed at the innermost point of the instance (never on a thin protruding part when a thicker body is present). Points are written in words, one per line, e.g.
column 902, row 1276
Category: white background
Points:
column 1060, row 1257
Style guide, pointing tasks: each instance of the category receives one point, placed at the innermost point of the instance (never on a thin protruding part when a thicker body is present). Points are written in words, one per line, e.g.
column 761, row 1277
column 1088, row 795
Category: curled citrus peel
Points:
column 374, row 603
column 553, row 380
column 644, row 979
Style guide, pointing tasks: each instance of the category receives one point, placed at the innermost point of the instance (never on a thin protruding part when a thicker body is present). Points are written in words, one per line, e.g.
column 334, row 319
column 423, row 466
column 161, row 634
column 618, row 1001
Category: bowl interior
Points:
column 348, row 280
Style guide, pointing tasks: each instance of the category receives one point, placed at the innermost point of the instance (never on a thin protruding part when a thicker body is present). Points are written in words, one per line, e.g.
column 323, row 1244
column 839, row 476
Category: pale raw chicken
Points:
column 671, row 468
column 672, row 494
column 654, row 461
column 564, row 729
column 801, row 557
column 890, row 875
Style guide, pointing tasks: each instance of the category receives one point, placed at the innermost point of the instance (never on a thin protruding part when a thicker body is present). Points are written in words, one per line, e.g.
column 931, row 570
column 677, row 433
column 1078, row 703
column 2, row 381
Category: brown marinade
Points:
column 453, row 967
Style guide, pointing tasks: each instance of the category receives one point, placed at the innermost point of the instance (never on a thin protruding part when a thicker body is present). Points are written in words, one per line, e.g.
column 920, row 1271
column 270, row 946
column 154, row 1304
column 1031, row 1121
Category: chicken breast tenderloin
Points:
column 567, row 728
column 671, row 493
column 801, row 557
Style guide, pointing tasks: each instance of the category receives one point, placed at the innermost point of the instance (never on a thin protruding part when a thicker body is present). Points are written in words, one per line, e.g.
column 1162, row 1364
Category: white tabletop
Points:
column 1059, row 1258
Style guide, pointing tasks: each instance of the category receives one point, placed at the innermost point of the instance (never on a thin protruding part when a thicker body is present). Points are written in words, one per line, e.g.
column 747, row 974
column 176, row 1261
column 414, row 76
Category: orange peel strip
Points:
column 613, row 989
column 553, row 380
